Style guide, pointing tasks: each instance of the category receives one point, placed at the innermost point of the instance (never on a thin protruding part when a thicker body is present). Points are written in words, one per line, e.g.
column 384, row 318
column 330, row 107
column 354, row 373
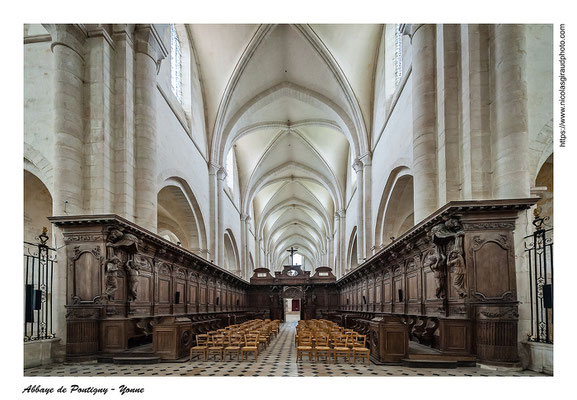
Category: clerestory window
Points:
column 175, row 64
column 398, row 54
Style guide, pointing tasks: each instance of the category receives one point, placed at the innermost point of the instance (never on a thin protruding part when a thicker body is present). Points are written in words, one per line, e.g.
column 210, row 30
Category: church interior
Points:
column 288, row 200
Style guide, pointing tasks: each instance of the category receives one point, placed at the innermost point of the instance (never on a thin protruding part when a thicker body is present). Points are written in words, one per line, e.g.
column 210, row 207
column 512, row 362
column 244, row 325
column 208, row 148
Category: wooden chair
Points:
column 251, row 342
column 341, row 348
column 361, row 350
column 233, row 347
column 264, row 337
column 358, row 340
column 215, row 347
column 322, row 347
column 200, row 348
column 305, row 345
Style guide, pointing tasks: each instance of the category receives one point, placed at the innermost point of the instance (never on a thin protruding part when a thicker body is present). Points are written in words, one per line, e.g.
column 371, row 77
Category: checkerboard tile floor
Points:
column 279, row 359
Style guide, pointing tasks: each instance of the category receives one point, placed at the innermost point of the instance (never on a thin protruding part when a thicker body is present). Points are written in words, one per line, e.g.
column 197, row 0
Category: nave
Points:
column 279, row 359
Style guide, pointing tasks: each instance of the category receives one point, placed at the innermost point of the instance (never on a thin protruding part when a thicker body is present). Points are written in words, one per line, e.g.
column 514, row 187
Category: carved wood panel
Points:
column 87, row 272
column 491, row 268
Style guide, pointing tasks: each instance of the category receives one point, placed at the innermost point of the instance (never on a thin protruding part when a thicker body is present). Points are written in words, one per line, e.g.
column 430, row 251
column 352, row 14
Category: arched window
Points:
column 175, row 64
column 398, row 54
column 230, row 169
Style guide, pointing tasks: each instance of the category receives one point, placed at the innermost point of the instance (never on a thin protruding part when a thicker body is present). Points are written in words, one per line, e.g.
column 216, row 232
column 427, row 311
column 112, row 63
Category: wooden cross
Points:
column 292, row 251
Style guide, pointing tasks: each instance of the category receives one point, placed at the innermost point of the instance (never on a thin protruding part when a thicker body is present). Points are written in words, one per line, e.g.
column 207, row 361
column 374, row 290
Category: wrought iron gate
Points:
column 39, row 261
column 539, row 249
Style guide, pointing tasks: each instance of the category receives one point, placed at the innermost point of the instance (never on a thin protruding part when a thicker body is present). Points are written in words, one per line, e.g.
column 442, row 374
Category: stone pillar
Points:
column 358, row 167
column 68, row 45
column 367, row 215
column 331, row 255
column 424, row 121
column 341, row 267
column 213, row 207
column 475, row 112
column 448, row 127
column 149, row 53
column 98, row 107
column 510, row 125
column 68, row 42
column 257, row 254
column 266, row 259
column 123, row 148
column 244, row 234
column 220, row 182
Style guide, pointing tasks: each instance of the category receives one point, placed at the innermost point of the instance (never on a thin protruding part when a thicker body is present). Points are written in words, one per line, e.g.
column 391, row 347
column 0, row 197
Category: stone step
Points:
column 136, row 360
column 442, row 357
column 424, row 363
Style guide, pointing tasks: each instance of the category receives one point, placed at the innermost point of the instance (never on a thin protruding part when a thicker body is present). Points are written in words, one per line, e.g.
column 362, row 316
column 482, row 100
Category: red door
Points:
column 296, row 306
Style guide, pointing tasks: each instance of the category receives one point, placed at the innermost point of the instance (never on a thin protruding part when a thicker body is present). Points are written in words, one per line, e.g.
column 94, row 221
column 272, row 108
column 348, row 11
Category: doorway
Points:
column 292, row 309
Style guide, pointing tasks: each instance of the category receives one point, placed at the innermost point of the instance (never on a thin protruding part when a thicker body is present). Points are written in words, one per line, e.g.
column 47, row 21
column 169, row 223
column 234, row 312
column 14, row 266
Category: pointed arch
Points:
column 231, row 254
column 356, row 125
column 192, row 227
column 275, row 175
column 37, row 207
column 352, row 253
column 285, row 89
column 396, row 210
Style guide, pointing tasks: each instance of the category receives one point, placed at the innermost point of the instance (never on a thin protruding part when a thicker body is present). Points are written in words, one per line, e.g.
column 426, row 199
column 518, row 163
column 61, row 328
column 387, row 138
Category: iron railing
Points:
column 39, row 261
column 539, row 250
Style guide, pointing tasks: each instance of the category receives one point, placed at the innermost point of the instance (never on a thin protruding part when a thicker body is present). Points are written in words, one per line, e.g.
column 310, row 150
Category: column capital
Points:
column 149, row 42
column 411, row 29
column 213, row 168
column 340, row 213
column 366, row 159
column 100, row 30
column 221, row 174
column 358, row 165
column 123, row 32
column 72, row 36
column 245, row 217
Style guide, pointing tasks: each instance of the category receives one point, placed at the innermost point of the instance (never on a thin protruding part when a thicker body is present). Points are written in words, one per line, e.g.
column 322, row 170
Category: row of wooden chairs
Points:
column 325, row 339
column 235, row 340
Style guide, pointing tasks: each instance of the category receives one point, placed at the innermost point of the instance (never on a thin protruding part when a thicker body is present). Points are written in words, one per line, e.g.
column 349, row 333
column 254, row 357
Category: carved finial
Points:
column 43, row 236
column 538, row 221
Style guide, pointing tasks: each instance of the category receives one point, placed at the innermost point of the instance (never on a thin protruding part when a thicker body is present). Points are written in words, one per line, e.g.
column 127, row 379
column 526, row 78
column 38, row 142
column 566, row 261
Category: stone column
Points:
column 244, row 233
column 123, row 148
column 257, row 255
column 68, row 46
column 220, row 182
column 213, row 207
column 448, row 128
column 367, row 215
column 149, row 51
column 510, row 126
column 475, row 112
column 98, row 107
column 424, row 121
column 341, row 267
column 358, row 167
column 331, row 247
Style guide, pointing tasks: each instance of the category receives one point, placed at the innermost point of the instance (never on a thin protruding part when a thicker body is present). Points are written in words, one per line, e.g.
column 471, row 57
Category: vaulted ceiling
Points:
column 294, row 103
